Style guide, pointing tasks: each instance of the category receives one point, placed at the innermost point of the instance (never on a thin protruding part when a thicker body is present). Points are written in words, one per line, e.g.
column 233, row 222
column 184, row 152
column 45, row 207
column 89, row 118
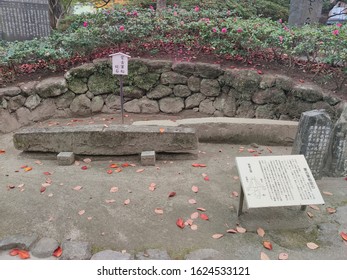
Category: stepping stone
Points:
column 19, row 241
column 111, row 255
column 45, row 247
column 153, row 254
column 205, row 254
column 76, row 250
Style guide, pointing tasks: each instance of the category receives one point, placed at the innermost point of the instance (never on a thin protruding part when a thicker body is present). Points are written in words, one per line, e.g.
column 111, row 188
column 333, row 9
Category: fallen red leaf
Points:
column 28, row 169
column 127, row 201
column 261, row 232
column 343, row 235
column 201, row 209
column 204, row 217
column 140, row 170
column 47, row 173
column 58, row 252
column 198, row 165
column 172, row 194
column 283, row 256
column 159, row 211
column 301, row 81
column 312, row 245
column 231, row 230
column 161, row 130
column 206, row 178
column 195, row 189
column 2, row 152
column 14, row 252
column 125, row 164
column 43, row 189
column 23, row 254
column 180, row 223
column 264, row 256
column 113, row 165
column 260, row 72
column 217, row 235
column 267, row 245
column 84, row 167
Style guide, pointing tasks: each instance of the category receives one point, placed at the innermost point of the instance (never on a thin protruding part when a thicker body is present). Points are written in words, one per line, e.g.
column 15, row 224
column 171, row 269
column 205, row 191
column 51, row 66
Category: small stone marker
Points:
column 148, row 158
column 24, row 19
column 313, row 138
column 66, row 158
column 304, row 12
column 270, row 181
column 337, row 155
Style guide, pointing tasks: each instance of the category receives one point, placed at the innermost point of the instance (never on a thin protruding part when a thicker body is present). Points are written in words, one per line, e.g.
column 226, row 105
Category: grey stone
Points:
column 159, row 91
column 83, row 71
column 77, row 86
column 76, row 250
column 194, row 83
column 65, row 100
column 51, row 87
column 65, row 158
column 44, row 111
column 23, row 116
column 245, row 110
column 194, row 100
column 102, row 64
column 267, row 81
column 90, row 95
column 265, row 111
column 242, row 80
column 32, row 101
column 97, row 104
column 113, row 102
column 81, row 105
column 181, row 91
column 331, row 100
column 4, row 104
column 184, row 67
column 204, row 254
column 284, row 82
column 206, row 107
column 8, row 122
column 171, row 105
column 131, row 92
column 149, row 106
column 101, row 83
column 29, row 88
column 304, row 12
column 308, row 92
column 158, row 66
column 111, row 255
column 209, row 71
column 210, row 87
column 10, row 91
column 146, row 81
column 270, row 95
column 99, row 140
column 16, row 102
column 137, row 67
column 294, row 107
column 19, row 241
column 226, row 104
column 132, row 106
column 153, row 254
column 173, row 78
column 312, row 139
column 45, row 247
column 148, row 158
column 336, row 161
column 321, row 105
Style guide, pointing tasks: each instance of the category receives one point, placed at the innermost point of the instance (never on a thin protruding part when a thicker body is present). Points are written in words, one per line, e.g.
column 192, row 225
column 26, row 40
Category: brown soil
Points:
column 266, row 67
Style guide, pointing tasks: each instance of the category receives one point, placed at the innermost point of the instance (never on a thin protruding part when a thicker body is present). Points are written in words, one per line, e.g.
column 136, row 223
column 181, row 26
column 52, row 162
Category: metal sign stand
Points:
column 120, row 67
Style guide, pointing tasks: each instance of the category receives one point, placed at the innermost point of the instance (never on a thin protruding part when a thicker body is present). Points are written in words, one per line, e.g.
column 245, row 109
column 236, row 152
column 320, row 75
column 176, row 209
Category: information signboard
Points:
column 270, row 181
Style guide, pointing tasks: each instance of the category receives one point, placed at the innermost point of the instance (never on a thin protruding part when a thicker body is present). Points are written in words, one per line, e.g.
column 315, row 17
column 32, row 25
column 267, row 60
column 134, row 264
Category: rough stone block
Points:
column 76, row 250
column 45, row 247
column 313, row 138
column 148, row 158
column 65, row 158
column 18, row 241
column 101, row 140
column 111, row 255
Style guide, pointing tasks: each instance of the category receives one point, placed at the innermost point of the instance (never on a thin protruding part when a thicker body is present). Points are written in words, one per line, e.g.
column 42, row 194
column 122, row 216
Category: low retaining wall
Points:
column 155, row 86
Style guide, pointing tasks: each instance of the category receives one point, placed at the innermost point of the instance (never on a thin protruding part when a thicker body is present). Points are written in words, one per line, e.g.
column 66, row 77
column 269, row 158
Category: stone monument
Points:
column 336, row 164
column 313, row 138
column 24, row 19
column 304, row 12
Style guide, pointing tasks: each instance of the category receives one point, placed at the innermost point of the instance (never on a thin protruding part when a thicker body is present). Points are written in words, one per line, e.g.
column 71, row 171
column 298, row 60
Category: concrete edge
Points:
column 236, row 130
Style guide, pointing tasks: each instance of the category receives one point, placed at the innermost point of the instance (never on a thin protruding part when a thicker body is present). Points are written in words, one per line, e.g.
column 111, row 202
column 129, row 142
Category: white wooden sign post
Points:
column 271, row 181
column 120, row 67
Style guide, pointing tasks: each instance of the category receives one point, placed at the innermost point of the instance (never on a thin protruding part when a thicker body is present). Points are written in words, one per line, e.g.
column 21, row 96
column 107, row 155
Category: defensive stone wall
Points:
column 154, row 86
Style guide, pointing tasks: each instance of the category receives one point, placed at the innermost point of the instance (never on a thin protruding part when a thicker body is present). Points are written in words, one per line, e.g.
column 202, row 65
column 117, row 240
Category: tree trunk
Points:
column 55, row 12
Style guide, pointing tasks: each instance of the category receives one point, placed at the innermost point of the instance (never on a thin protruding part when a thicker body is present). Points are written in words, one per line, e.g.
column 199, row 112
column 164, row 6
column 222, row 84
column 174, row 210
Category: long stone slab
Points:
column 101, row 140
